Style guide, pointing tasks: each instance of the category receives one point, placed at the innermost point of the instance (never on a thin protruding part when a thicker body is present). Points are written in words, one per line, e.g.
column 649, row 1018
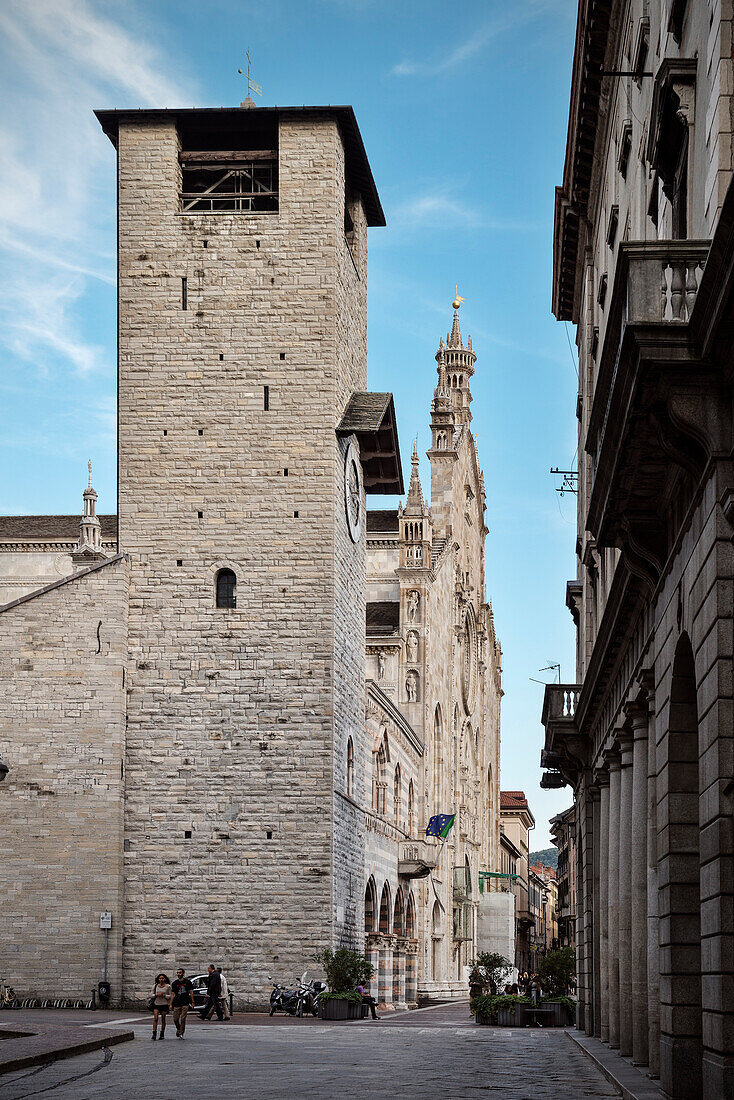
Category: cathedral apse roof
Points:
column 44, row 529
column 383, row 617
column 381, row 520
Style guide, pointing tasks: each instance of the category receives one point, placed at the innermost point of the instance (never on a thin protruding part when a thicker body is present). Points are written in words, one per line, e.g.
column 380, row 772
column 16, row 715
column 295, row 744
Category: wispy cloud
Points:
column 440, row 208
column 502, row 21
column 60, row 59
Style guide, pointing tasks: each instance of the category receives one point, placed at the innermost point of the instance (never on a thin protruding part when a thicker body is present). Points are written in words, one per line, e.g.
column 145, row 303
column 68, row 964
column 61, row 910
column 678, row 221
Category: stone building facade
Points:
column 432, row 650
column 644, row 267
column 246, row 449
column 198, row 740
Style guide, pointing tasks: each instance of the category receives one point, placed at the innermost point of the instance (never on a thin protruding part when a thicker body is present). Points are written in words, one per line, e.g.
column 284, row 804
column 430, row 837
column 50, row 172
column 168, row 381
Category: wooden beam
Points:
column 211, row 156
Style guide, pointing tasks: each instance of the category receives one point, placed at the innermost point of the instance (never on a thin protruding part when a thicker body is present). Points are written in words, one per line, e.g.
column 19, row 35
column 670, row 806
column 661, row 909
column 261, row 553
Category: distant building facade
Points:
column 643, row 266
column 516, row 821
column 563, row 835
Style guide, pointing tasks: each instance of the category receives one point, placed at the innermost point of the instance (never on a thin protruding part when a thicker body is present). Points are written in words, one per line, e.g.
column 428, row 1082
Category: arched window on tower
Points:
column 397, row 783
column 226, row 588
column 437, row 763
column 350, row 767
column 370, row 906
column 385, row 910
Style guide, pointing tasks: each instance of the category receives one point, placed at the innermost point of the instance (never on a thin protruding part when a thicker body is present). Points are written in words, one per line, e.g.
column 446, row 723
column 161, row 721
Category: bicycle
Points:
column 8, row 996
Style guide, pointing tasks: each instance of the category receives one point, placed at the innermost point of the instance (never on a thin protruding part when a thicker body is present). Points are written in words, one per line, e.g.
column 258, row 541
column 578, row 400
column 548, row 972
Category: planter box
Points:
column 355, row 1011
column 483, row 1021
column 334, row 1009
column 561, row 1015
column 508, row 1017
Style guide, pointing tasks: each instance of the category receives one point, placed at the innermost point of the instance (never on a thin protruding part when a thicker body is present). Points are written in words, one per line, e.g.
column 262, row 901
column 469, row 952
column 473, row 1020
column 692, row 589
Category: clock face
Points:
column 353, row 492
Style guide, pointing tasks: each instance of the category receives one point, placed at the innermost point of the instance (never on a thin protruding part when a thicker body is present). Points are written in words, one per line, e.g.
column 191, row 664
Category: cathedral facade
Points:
column 195, row 743
column 432, row 651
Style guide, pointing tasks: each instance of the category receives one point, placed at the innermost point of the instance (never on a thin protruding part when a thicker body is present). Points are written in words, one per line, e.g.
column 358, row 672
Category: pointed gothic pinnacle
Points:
column 89, row 467
column 455, row 339
column 415, row 492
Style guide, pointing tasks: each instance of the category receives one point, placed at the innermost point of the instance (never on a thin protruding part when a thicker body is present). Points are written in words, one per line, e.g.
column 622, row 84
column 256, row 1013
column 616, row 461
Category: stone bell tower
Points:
column 244, row 436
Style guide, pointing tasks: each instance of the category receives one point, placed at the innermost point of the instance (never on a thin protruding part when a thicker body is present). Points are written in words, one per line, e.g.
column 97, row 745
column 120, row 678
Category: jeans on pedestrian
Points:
column 179, row 1017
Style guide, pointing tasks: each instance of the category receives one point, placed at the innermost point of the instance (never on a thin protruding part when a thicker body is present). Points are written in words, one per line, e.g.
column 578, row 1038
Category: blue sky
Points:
column 463, row 110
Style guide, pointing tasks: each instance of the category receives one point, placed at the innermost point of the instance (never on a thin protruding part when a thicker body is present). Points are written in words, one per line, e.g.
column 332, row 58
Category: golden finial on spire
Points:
column 458, row 299
column 252, row 85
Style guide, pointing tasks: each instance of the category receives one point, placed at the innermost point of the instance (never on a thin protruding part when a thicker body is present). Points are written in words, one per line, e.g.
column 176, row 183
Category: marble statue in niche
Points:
column 411, row 686
column 414, row 602
column 381, row 665
column 411, row 646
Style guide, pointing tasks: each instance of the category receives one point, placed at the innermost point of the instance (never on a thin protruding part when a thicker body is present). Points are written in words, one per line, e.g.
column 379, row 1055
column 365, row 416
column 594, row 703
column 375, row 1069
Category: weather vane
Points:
column 458, row 299
column 252, row 86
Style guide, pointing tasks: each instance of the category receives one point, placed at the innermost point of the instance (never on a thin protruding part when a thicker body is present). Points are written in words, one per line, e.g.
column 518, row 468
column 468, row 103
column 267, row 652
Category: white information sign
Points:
column 105, row 919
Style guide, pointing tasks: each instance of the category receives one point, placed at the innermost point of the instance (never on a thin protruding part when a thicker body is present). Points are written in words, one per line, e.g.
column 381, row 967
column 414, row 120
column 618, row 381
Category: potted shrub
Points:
column 555, row 972
column 345, row 969
column 502, row 1010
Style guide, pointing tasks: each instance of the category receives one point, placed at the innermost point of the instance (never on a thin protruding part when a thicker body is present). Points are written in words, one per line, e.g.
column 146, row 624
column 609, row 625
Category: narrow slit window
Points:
column 184, row 293
column 226, row 588
column 266, row 397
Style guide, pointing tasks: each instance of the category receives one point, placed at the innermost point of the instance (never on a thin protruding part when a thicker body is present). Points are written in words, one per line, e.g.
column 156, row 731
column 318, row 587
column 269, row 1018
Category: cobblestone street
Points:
column 436, row 1053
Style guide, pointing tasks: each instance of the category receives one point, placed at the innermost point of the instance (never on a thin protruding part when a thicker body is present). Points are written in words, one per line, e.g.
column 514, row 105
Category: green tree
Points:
column 345, row 969
column 492, row 966
column 556, row 970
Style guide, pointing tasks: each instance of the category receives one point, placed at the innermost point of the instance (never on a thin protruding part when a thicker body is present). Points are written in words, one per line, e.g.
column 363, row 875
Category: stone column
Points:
column 638, row 716
column 595, row 795
column 602, row 780
column 653, row 941
column 625, row 895
column 613, row 761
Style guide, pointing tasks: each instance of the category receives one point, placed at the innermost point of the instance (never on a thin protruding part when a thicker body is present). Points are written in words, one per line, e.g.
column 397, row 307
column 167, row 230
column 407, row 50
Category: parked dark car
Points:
column 200, row 993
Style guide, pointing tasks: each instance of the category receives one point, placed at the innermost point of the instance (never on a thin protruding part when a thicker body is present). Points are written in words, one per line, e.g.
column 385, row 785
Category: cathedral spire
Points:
column 455, row 368
column 414, row 504
column 89, row 545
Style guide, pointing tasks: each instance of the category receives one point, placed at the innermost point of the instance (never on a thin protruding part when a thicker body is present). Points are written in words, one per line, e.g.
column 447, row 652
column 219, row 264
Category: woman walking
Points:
column 161, row 999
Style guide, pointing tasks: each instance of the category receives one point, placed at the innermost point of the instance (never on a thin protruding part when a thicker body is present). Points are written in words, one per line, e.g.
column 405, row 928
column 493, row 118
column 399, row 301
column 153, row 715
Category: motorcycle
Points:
column 283, row 1000
column 308, row 995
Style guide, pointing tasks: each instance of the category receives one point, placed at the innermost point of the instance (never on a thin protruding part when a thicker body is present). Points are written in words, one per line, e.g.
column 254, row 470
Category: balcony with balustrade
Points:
column 646, row 418
column 562, row 740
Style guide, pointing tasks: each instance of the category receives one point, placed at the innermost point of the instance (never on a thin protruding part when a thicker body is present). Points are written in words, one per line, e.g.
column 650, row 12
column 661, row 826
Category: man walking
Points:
column 223, row 997
column 182, row 995
column 213, row 991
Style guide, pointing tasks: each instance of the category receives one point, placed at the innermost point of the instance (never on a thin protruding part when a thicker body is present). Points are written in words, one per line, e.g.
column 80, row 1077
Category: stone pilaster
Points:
column 638, row 716
column 625, row 895
column 613, row 761
column 602, row 780
column 595, row 797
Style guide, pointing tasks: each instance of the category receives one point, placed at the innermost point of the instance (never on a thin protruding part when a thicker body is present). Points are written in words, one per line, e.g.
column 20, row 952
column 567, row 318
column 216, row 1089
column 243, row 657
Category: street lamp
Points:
column 3, row 770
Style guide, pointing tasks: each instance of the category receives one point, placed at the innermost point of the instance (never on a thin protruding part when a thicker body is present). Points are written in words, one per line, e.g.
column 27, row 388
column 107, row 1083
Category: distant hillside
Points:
column 548, row 857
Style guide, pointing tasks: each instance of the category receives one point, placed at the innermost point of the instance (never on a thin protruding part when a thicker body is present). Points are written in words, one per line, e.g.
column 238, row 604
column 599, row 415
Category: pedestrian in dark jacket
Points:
column 213, row 991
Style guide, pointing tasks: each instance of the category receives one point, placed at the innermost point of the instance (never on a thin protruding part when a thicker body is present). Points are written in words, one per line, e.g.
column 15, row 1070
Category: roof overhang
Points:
column 371, row 417
column 232, row 119
column 572, row 198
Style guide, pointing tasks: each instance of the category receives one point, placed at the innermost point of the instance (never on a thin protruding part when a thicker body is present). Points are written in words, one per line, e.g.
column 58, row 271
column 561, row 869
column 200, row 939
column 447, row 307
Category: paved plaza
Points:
column 436, row 1052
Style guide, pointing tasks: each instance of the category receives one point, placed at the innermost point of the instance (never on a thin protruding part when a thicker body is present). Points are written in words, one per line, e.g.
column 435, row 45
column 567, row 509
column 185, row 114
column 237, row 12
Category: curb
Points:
column 23, row 1061
column 626, row 1078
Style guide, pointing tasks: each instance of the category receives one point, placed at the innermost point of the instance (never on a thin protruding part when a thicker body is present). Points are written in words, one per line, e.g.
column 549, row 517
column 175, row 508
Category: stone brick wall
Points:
column 62, row 734
column 236, row 717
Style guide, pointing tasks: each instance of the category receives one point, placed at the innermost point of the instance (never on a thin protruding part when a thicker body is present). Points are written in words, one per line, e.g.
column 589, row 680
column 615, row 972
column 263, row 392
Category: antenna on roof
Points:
column 252, row 85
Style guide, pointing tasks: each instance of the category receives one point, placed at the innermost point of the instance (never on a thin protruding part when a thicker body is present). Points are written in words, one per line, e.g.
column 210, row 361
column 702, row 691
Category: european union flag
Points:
column 440, row 825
